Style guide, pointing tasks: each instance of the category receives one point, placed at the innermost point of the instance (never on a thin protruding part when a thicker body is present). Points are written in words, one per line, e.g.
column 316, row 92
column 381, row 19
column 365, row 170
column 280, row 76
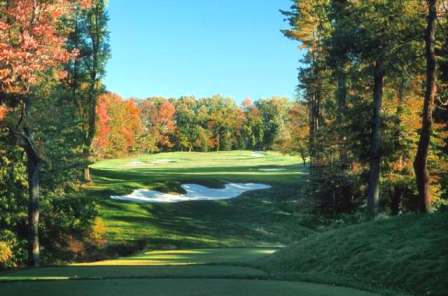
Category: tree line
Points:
column 374, row 78
column 188, row 124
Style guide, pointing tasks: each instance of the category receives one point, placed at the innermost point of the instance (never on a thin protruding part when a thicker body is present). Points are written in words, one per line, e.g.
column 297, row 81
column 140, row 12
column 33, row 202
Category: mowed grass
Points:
column 191, row 272
column 188, row 257
column 255, row 219
column 187, row 263
column 407, row 253
column 189, row 248
column 176, row 287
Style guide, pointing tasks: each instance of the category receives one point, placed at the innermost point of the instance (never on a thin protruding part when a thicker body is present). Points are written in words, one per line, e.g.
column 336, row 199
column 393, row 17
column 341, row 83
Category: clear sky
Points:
column 201, row 47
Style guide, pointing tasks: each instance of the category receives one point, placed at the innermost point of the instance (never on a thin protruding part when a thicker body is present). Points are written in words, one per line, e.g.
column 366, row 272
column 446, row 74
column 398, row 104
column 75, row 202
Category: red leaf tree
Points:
column 32, row 42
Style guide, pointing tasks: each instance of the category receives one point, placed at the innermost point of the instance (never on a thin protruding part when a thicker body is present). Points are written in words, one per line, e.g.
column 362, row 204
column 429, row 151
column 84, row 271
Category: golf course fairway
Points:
column 185, row 248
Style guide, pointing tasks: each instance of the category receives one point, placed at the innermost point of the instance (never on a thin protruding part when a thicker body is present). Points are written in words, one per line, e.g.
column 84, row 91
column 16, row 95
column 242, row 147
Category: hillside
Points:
column 407, row 253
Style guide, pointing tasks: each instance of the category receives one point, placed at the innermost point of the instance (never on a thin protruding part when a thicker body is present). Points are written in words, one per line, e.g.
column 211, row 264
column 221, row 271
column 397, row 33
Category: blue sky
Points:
column 200, row 47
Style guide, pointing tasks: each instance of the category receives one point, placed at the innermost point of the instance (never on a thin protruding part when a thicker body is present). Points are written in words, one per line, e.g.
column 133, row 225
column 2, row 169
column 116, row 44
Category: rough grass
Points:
column 257, row 218
column 408, row 253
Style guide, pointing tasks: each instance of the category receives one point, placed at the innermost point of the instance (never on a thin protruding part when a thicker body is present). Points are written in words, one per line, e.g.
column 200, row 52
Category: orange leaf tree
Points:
column 32, row 42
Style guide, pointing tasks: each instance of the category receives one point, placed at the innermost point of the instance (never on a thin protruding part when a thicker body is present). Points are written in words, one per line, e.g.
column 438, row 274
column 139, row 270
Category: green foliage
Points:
column 63, row 213
column 66, row 220
column 346, row 42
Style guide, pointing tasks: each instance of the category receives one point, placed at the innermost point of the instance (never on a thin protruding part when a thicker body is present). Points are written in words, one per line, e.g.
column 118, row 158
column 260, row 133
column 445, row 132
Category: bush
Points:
column 97, row 233
column 5, row 255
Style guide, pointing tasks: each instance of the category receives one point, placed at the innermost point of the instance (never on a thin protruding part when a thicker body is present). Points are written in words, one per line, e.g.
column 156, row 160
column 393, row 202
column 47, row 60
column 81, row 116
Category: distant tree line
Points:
column 189, row 124
column 374, row 78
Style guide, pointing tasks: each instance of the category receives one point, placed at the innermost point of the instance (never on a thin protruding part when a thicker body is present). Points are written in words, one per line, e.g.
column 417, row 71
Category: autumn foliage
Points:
column 118, row 123
column 30, row 41
column 3, row 112
column 186, row 124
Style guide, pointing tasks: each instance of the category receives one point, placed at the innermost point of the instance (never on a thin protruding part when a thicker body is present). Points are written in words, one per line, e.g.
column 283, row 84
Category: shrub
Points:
column 5, row 255
column 97, row 233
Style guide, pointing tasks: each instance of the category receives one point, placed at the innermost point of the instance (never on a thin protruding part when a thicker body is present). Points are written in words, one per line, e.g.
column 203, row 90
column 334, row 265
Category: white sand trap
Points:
column 136, row 163
column 272, row 170
column 164, row 161
column 193, row 192
column 258, row 154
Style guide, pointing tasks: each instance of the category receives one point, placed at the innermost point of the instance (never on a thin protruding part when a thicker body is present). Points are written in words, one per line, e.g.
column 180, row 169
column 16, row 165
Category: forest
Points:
column 360, row 152
column 375, row 83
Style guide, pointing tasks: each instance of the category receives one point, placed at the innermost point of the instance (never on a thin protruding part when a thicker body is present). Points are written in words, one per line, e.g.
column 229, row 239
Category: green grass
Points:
column 257, row 218
column 190, row 272
column 188, row 257
column 176, row 287
column 189, row 263
column 407, row 253
column 191, row 248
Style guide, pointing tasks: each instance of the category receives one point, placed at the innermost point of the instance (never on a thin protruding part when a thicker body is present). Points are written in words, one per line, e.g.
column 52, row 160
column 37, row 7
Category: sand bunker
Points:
column 258, row 154
column 164, row 161
column 272, row 170
column 136, row 163
column 193, row 192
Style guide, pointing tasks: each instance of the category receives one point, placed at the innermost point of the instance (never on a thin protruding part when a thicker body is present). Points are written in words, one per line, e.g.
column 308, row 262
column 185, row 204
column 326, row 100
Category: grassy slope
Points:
column 407, row 253
column 258, row 218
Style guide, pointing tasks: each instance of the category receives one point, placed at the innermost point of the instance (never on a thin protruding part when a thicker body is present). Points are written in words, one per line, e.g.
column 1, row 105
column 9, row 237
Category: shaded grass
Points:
column 174, row 287
column 408, row 253
column 212, row 271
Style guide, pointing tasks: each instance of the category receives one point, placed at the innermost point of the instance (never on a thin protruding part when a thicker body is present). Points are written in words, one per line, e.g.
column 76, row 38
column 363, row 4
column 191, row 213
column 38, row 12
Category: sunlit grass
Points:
column 187, row 257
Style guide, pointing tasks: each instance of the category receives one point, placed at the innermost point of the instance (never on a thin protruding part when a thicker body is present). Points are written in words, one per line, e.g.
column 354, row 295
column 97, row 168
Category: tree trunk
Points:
column 303, row 157
column 218, row 142
column 395, row 203
column 341, row 97
column 33, row 167
column 33, row 210
column 375, row 156
column 314, row 117
column 420, row 163
column 87, row 176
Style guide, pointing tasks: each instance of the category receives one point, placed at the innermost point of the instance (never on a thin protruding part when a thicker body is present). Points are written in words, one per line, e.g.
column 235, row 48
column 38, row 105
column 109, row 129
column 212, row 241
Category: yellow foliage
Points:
column 97, row 233
column 5, row 253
